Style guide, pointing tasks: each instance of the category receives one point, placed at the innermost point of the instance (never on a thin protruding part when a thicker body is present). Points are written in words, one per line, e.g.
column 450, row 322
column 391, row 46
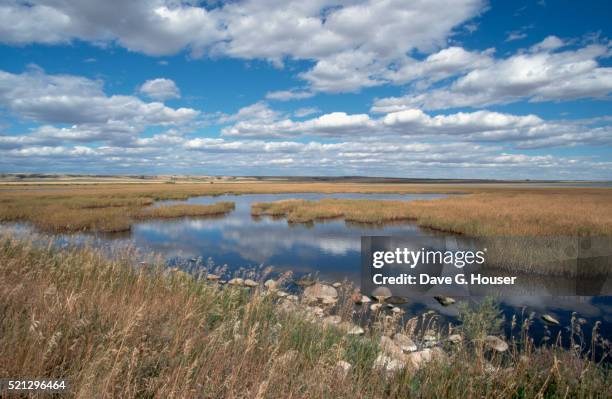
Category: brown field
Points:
column 117, row 331
column 489, row 209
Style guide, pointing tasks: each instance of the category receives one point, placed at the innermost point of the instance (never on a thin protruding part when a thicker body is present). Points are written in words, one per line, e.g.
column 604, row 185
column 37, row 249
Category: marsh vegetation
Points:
column 116, row 330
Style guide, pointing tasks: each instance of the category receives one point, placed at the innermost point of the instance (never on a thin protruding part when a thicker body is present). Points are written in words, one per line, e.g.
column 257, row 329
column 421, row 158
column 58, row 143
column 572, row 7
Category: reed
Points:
column 496, row 213
column 119, row 330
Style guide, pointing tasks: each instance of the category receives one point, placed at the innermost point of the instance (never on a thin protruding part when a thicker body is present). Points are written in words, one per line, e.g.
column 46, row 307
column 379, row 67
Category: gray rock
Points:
column 270, row 284
column 319, row 291
column 332, row 320
column 455, row 338
column 343, row 368
column 388, row 364
column 445, row 300
column 404, row 342
column 396, row 300
column 250, row 283
column 389, row 347
column 381, row 293
column 496, row 343
column 550, row 319
column 236, row 282
column 355, row 330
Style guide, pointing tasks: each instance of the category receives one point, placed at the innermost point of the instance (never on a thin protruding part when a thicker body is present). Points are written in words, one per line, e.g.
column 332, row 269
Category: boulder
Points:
column 212, row 277
column 389, row 347
column 388, row 364
column 250, row 283
column 496, row 343
column 236, row 282
column 270, row 284
column 550, row 319
column 355, row 330
column 337, row 285
column 404, row 342
column 455, row 338
column 375, row 307
column 396, row 300
column 343, row 368
column 445, row 300
column 319, row 291
column 381, row 293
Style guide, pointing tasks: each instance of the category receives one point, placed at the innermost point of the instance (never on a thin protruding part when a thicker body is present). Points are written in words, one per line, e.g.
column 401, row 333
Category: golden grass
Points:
column 119, row 331
column 176, row 211
column 489, row 209
column 493, row 213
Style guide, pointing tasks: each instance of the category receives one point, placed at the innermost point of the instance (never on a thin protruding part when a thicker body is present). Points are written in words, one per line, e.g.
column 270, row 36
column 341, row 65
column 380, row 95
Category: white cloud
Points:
column 286, row 95
column 82, row 105
column 354, row 40
column 541, row 74
column 160, row 89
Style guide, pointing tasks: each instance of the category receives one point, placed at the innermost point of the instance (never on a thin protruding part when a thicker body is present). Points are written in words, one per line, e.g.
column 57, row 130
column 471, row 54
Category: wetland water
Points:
column 329, row 249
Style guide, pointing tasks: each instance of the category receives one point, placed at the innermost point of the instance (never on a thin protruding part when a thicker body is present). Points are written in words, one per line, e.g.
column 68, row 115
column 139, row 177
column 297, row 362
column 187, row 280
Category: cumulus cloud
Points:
column 356, row 40
column 160, row 89
column 544, row 73
column 81, row 104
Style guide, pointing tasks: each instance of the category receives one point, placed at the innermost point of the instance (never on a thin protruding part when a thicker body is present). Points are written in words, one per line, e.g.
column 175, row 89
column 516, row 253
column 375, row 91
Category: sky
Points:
column 424, row 88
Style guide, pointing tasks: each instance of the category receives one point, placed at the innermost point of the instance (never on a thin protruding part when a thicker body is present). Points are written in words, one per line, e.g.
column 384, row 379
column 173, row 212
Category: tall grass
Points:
column 498, row 213
column 116, row 330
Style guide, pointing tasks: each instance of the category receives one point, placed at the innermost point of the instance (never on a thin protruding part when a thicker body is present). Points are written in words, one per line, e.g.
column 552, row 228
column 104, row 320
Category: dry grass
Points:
column 494, row 213
column 494, row 209
column 176, row 211
column 119, row 331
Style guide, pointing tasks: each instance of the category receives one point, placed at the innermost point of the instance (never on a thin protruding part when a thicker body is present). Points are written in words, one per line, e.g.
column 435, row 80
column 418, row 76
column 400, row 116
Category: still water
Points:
column 331, row 250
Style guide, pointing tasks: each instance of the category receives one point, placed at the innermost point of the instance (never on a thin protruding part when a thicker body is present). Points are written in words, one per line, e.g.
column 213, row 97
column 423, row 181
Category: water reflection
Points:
column 330, row 249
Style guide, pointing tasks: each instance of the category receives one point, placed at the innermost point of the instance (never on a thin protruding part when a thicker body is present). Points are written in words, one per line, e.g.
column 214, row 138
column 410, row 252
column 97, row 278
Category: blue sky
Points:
column 441, row 89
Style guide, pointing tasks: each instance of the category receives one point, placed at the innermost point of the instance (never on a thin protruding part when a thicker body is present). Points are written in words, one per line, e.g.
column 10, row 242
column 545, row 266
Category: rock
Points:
column 381, row 293
column 292, row 298
column 250, row 283
column 305, row 281
column 222, row 282
column 236, row 282
column 375, row 307
column 496, row 343
column 355, row 330
column 319, row 291
column 343, row 368
column 444, row 300
column 396, row 300
column 332, row 320
column 419, row 358
column 288, row 306
column 455, row 338
column 330, row 301
column 316, row 311
column 550, row 319
column 270, row 284
column 389, row 347
column 365, row 299
column 212, row 277
column 430, row 335
column 404, row 342
column 388, row 364
column 281, row 294
column 582, row 321
column 397, row 310
column 337, row 285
